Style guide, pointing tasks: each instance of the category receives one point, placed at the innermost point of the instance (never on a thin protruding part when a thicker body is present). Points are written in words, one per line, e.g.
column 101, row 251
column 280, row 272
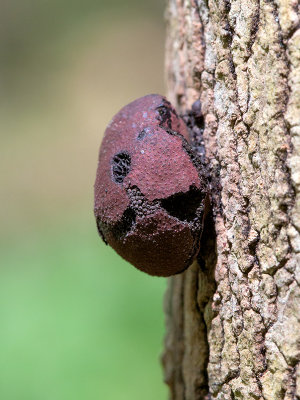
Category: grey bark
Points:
column 233, row 322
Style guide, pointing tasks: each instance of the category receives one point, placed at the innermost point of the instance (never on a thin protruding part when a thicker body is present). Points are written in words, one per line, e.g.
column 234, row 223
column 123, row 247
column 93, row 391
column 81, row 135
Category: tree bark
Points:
column 233, row 321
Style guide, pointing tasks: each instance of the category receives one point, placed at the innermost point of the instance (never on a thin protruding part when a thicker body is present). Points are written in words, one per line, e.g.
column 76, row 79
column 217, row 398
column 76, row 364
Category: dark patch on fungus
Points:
column 120, row 229
column 121, row 163
column 99, row 228
column 164, row 115
column 184, row 206
column 125, row 225
column 165, row 111
column 142, row 134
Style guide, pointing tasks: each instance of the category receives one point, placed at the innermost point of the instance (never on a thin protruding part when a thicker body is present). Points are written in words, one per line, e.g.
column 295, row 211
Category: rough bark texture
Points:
column 233, row 322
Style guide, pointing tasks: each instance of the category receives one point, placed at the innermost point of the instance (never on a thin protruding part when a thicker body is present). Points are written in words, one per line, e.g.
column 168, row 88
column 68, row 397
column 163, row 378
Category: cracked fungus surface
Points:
column 149, row 194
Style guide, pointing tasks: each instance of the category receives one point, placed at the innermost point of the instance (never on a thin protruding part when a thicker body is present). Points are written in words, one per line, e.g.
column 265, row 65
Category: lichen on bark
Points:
column 233, row 325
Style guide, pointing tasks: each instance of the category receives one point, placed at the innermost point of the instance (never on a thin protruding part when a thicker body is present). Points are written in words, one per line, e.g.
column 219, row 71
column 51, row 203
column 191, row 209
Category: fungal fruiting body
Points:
column 150, row 195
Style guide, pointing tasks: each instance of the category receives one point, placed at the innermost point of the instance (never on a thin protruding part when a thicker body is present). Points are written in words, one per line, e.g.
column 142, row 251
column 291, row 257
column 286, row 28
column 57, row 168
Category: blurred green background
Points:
column 77, row 322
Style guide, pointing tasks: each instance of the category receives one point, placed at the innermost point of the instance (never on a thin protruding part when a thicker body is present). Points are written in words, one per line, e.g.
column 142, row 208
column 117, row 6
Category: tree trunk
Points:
column 233, row 321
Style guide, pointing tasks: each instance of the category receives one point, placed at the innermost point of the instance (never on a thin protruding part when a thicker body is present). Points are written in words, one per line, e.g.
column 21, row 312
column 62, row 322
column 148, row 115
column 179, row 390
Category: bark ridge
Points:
column 233, row 322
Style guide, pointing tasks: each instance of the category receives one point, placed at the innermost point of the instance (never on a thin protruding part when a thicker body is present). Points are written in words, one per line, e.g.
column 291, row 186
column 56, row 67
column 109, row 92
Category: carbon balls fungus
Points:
column 150, row 195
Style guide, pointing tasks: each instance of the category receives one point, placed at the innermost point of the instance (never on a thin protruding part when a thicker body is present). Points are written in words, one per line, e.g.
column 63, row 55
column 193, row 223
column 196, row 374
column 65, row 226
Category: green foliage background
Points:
column 77, row 322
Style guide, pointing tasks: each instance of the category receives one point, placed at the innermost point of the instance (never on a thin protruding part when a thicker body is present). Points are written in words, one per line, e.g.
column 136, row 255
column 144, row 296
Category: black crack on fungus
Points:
column 121, row 228
column 165, row 110
column 142, row 134
column 124, row 226
column 100, row 231
column 184, row 206
column 164, row 115
column 121, row 164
